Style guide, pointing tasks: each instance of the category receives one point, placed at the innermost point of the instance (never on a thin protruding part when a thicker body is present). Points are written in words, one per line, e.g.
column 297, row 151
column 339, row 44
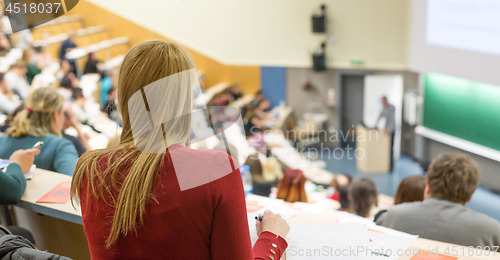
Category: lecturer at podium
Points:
column 388, row 115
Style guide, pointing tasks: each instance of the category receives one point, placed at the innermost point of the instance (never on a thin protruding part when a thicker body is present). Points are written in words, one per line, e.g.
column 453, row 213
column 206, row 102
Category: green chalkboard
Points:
column 463, row 108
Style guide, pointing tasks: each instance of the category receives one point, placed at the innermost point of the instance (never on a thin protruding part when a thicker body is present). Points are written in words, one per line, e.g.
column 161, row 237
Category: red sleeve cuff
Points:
column 269, row 246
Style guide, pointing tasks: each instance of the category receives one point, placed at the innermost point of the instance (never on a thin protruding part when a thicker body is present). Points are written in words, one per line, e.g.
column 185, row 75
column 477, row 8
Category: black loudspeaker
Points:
column 318, row 24
column 319, row 61
column 319, row 21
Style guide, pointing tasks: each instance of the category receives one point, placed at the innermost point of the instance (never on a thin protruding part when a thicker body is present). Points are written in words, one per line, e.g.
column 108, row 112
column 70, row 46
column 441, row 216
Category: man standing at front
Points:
column 389, row 115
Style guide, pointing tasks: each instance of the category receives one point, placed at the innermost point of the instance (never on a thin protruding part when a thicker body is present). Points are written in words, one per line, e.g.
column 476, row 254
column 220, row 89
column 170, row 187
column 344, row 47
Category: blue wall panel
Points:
column 274, row 84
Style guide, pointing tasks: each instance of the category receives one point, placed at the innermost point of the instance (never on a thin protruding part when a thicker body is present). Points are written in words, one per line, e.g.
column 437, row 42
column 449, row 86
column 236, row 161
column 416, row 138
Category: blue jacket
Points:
column 56, row 154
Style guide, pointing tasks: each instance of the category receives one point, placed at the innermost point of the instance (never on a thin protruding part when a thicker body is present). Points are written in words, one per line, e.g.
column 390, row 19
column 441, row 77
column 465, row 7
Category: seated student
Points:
column 442, row 216
column 110, row 106
column 40, row 56
column 236, row 92
column 16, row 79
column 68, row 80
column 338, row 183
column 78, row 107
column 67, row 46
column 259, row 96
column 362, row 196
column 8, row 101
column 81, row 142
column 5, row 44
column 63, row 70
column 111, row 80
column 33, row 68
column 137, row 205
column 92, row 65
column 261, row 185
column 410, row 189
column 41, row 120
column 345, row 204
column 255, row 122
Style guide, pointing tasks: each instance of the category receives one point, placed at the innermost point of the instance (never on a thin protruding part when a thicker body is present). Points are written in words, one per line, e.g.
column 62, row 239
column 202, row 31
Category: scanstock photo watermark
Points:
column 366, row 251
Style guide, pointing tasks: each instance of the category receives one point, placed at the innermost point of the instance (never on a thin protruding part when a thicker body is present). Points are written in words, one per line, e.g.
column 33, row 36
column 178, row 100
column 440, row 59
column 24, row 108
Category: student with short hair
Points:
column 362, row 196
column 442, row 216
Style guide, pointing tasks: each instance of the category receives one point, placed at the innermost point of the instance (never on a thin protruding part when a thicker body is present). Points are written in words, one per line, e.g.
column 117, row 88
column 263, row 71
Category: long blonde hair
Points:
column 37, row 118
column 144, row 64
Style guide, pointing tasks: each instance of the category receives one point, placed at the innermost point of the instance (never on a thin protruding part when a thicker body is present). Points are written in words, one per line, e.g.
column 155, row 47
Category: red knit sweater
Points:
column 205, row 222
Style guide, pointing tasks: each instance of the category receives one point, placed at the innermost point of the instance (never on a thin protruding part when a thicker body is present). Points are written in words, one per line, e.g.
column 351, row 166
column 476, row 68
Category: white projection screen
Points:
column 457, row 37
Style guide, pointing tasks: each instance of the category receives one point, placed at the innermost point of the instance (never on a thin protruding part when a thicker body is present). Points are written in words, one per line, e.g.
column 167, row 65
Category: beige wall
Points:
column 277, row 32
column 215, row 71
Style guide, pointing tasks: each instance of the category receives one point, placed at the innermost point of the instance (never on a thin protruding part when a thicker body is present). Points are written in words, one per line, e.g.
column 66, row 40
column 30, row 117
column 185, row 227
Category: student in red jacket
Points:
column 153, row 198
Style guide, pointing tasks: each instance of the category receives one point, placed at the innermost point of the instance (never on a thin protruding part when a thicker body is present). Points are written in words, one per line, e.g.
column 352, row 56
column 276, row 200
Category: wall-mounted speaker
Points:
column 319, row 59
column 319, row 21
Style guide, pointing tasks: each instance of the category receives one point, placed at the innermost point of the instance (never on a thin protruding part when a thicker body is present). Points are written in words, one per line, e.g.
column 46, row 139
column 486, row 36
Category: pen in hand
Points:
column 258, row 218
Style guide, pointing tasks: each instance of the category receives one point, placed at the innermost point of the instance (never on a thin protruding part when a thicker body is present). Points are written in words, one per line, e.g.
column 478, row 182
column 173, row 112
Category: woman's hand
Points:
column 273, row 223
column 24, row 158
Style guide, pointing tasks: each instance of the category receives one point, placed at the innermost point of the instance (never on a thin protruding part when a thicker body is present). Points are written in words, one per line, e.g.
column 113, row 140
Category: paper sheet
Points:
column 258, row 205
column 251, row 225
column 28, row 175
column 327, row 241
column 385, row 246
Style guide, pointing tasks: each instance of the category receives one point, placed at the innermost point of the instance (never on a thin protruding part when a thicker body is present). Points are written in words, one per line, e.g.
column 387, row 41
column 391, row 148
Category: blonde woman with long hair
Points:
column 150, row 197
column 42, row 119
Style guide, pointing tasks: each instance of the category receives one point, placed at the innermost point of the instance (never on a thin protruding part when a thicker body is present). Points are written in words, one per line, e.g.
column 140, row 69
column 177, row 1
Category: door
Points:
column 352, row 107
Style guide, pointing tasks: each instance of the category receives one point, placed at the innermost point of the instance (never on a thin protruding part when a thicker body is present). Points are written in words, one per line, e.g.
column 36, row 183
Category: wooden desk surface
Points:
column 42, row 182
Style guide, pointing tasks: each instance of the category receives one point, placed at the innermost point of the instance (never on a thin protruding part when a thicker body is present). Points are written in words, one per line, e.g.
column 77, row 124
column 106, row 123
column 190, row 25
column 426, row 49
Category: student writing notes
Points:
column 150, row 197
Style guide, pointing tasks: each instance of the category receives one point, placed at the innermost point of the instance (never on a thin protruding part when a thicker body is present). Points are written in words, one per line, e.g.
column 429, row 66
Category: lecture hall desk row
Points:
column 58, row 227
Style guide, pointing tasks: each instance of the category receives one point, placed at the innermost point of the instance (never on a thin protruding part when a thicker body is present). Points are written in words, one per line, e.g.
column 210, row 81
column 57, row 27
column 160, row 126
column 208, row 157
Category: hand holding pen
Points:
column 273, row 223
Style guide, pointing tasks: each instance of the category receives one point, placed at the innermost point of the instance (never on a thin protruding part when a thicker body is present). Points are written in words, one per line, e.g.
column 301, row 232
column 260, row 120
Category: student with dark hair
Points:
column 410, row 189
column 78, row 107
column 338, row 183
column 255, row 122
column 261, row 185
column 110, row 106
column 451, row 180
column 344, row 198
column 362, row 196
column 236, row 91
column 92, row 65
column 81, row 141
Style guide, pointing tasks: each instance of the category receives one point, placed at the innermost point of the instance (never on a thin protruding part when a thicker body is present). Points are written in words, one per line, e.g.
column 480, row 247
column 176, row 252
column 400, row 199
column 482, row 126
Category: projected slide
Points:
column 471, row 25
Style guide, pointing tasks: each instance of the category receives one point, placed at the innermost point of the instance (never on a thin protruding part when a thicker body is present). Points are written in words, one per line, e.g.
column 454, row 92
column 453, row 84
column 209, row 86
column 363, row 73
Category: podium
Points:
column 373, row 150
